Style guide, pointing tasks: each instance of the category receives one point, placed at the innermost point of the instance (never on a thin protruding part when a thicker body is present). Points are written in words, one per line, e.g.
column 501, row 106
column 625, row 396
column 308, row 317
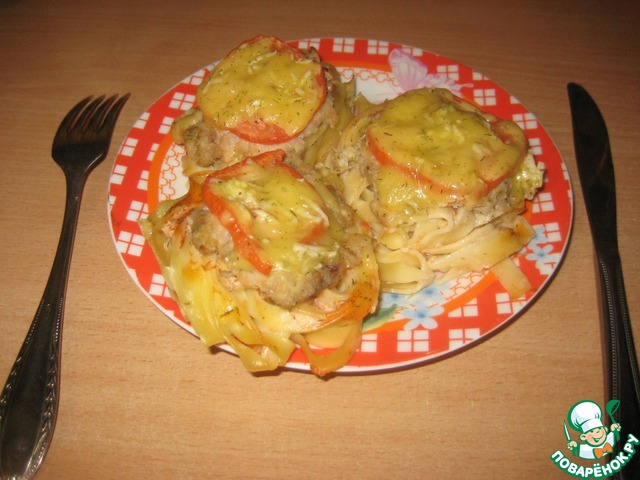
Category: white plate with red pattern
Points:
column 408, row 330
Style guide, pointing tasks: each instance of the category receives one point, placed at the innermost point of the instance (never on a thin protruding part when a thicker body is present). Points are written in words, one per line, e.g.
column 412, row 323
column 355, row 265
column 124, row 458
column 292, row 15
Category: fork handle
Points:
column 29, row 400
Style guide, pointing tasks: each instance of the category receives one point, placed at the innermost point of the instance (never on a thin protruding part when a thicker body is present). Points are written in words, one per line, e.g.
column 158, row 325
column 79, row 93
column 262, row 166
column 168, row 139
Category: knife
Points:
column 595, row 168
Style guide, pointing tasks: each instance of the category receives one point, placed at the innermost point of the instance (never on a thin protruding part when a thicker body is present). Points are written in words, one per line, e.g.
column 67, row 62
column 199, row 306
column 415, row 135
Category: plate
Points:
column 407, row 330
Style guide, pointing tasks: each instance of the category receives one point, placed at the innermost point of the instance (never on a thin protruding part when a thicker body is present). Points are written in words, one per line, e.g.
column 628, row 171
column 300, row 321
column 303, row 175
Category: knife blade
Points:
column 597, row 177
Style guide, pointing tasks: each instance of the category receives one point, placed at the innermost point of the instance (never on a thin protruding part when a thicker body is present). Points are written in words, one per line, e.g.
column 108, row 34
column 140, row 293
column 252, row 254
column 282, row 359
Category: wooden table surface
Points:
column 141, row 399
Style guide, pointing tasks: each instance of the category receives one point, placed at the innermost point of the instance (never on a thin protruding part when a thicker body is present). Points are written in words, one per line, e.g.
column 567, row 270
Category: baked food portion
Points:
column 264, row 95
column 441, row 183
column 264, row 91
column 261, row 258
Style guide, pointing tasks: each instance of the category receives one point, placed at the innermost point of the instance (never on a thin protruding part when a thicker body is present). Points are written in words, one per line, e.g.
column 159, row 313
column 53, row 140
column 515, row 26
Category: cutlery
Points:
column 595, row 168
column 29, row 400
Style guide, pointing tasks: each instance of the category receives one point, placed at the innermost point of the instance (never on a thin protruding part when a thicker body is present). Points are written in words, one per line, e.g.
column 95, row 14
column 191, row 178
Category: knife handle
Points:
column 623, row 379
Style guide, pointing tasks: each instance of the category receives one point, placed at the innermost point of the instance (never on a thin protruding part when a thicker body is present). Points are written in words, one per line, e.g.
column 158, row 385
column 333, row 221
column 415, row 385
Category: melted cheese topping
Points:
column 447, row 147
column 263, row 80
column 284, row 214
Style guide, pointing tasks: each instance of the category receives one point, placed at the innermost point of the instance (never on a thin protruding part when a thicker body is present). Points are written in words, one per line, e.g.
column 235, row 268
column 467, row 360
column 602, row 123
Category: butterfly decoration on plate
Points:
column 410, row 73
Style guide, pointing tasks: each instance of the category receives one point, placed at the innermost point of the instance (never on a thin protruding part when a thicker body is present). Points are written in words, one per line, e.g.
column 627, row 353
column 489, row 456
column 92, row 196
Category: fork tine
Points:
column 96, row 120
column 85, row 116
column 113, row 113
column 70, row 118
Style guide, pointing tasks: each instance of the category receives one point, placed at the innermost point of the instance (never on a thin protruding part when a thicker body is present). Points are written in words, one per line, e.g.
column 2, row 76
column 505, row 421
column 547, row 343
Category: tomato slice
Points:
column 451, row 149
column 246, row 244
column 385, row 159
column 257, row 131
column 265, row 91
column 248, row 247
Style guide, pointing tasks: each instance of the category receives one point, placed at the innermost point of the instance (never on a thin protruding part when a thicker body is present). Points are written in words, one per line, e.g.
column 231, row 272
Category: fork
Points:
column 29, row 400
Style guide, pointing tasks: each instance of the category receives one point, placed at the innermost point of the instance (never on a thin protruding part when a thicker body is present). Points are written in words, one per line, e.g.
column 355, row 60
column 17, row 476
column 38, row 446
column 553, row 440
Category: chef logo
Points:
column 592, row 441
column 595, row 440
